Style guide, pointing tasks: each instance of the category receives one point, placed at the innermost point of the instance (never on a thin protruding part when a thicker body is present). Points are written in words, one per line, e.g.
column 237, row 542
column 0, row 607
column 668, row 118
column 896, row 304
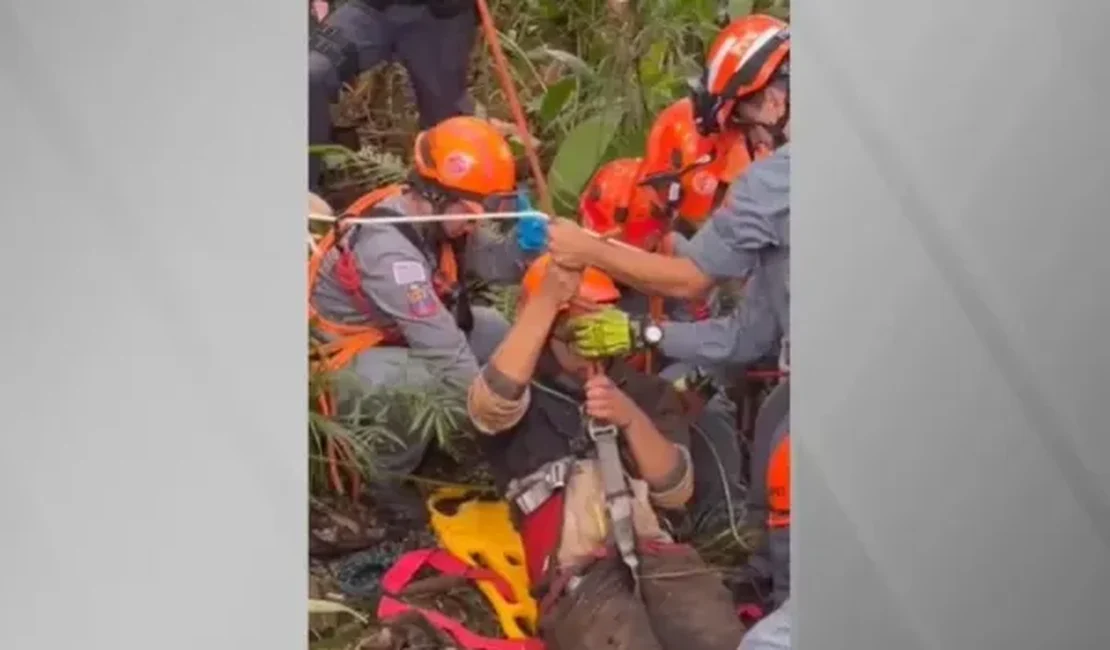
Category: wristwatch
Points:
column 652, row 334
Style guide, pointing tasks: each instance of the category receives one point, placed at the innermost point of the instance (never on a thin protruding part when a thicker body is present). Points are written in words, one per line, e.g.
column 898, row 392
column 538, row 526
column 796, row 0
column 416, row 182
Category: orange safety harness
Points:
column 347, row 341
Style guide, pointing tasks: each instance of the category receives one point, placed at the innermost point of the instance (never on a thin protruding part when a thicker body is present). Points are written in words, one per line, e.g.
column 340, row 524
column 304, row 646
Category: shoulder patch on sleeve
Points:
column 421, row 299
column 407, row 272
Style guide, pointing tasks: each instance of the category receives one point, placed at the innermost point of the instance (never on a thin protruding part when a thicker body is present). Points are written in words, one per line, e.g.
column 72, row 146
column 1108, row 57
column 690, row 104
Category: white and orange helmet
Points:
column 744, row 59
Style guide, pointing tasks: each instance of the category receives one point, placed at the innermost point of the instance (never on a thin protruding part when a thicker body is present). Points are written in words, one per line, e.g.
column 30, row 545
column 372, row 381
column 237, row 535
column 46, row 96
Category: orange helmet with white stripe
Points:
column 743, row 60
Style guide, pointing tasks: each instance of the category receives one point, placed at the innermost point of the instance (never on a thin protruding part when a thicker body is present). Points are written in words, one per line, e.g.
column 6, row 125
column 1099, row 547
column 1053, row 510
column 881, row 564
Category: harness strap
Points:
column 538, row 500
column 532, row 491
column 535, row 498
column 540, row 534
column 405, row 569
column 348, row 341
column 618, row 494
column 402, row 573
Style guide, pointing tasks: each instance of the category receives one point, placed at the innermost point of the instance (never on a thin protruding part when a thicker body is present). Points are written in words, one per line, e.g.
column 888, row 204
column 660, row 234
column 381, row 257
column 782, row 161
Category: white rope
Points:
column 445, row 218
column 435, row 218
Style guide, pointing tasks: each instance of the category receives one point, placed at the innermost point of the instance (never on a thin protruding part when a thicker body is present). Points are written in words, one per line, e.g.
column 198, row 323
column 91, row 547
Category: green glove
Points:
column 606, row 333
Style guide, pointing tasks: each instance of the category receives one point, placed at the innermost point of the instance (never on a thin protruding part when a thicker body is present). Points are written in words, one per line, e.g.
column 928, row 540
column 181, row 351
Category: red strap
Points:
column 749, row 613
column 406, row 567
column 390, row 608
column 346, row 273
column 539, row 533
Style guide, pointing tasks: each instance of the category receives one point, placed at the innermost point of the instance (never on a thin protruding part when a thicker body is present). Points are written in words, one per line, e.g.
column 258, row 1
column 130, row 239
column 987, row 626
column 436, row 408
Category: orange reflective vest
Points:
column 347, row 341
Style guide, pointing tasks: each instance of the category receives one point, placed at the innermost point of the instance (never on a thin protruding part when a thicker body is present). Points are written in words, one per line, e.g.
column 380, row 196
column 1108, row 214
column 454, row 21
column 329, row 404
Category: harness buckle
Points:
column 598, row 431
column 532, row 491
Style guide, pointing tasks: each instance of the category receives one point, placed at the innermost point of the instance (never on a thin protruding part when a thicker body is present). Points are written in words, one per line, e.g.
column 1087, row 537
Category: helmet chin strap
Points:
column 779, row 132
column 776, row 129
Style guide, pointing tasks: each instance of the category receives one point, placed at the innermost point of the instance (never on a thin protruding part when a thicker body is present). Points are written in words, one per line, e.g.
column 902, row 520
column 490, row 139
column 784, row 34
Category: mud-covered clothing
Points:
column 682, row 606
column 690, row 609
column 546, row 423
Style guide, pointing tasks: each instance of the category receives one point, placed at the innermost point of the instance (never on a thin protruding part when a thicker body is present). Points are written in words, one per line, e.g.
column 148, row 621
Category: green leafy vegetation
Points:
column 591, row 75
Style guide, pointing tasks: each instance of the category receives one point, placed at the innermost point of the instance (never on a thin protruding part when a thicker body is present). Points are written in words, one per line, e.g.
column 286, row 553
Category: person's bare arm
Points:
column 655, row 455
column 651, row 273
column 753, row 219
column 515, row 359
column 498, row 396
column 663, row 462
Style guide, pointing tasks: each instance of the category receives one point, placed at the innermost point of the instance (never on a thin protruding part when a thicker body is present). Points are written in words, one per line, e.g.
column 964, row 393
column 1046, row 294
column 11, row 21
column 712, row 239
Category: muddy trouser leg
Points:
column 689, row 606
column 436, row 53
column 353, row 38
column 600, row 613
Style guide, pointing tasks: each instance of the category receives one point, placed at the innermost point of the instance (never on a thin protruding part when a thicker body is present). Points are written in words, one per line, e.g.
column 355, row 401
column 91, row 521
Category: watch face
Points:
column 653, row 334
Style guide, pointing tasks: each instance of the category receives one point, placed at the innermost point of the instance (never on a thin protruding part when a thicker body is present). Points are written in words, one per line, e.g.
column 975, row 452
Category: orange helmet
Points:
column 687, row 172
column 613, row 204
column 465, row 158
column 744, row 58
column 595, row 287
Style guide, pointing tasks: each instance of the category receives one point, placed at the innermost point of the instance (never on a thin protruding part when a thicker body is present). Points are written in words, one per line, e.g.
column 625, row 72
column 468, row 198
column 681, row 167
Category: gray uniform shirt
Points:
column 747, row 237
column 396, row 276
